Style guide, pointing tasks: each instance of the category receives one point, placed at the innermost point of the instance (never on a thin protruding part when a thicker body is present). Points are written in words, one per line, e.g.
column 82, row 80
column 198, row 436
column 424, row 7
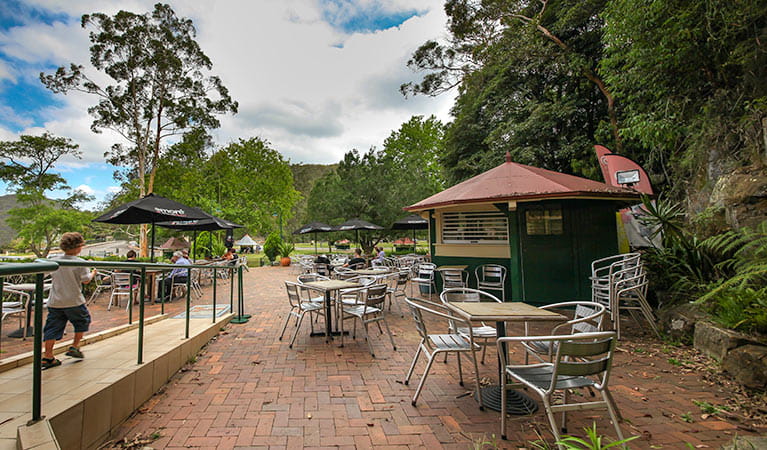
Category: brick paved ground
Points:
column 249, row 390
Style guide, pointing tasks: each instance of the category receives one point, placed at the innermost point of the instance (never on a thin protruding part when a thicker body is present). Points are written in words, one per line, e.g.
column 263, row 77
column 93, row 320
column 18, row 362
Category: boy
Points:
column 66, row 302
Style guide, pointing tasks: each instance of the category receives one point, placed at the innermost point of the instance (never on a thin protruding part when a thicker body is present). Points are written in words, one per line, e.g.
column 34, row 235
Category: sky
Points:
column 316, row 78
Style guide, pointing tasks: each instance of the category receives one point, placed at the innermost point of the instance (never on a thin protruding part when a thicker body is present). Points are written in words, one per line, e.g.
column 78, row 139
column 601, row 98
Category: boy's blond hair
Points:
column 71, row 240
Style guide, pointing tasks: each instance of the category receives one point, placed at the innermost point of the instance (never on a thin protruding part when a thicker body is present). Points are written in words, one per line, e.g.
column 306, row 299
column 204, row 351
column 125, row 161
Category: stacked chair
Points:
column 619, row 282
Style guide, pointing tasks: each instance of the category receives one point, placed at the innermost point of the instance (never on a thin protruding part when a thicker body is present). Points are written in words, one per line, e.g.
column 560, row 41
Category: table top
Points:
column 503, row 312
column 26, row 287
column 452, row 267
column 370, row 271
column 331, row 285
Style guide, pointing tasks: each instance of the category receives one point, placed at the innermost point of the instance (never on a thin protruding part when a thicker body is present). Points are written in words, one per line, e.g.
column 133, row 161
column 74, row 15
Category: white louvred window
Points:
column 475, row 227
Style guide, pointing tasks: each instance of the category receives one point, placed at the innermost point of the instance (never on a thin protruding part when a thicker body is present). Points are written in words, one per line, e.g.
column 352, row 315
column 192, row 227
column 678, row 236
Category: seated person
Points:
column 322, row 265
column 229, row 254
column 357, row 262
column 322, row 259
column 380, row 254
column 178, row 275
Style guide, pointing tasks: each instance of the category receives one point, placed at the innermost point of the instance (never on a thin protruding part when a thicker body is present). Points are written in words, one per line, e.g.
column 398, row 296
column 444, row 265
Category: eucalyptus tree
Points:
column 158, row 88
column 26, row 167
column 527, row 81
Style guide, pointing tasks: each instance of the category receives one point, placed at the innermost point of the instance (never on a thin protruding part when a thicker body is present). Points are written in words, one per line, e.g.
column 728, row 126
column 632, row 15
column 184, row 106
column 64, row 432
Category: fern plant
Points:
column 593, row 441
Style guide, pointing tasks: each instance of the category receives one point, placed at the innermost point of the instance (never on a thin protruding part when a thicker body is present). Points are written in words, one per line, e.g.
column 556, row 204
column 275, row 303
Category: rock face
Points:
column 748, row 365
column 679, row 321
column 715, row 341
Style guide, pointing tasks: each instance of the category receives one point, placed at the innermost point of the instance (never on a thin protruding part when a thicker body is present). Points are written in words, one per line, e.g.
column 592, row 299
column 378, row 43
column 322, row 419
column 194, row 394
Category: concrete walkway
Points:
column 249, row 390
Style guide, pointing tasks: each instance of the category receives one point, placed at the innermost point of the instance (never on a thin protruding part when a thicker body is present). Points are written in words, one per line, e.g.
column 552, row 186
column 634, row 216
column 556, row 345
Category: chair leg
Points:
column 295, row 333
column 460, row 372
column 476, row 378
column 484, row 350
column 612, row 411
column 563, row 425
column 552, row 421
column 391, row 338
column 423, row 379
column 285, row 326
column 504, row 394
column 412, row 365
column 367, row 338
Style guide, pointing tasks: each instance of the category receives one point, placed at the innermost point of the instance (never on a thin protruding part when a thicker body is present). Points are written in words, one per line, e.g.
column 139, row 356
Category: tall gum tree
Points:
column 159, row 86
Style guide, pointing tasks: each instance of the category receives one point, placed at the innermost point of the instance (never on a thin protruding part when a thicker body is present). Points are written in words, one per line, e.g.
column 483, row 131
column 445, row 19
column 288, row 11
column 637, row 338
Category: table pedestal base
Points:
column 322, row 333
column 517, row 403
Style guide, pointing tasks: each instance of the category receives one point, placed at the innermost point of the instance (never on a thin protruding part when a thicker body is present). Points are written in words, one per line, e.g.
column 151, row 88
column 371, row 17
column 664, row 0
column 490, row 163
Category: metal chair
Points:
column 19, row 308
column 605, row 271
column 298, row 308
column 432, row 345
column 307, row 293
column 371, row 311
column 491, row 277
column 588, row 317
column 484, row 332
column 397, row 285
column 424, row 277
column 100, row 284
column 565, row 372
column 453, row 278
column 630, row 294
column 122, row 285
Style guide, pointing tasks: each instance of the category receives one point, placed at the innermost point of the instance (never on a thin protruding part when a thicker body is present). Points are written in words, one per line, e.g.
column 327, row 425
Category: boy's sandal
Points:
column 50, row 362
column 74, row 352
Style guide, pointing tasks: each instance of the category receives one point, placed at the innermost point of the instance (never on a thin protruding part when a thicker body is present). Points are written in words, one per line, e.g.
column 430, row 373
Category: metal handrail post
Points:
column 188, row 300
column 214, row 295
column 162, row 294
column 142, row 292
column 37, row 363
column 231, row 289
column 130, row 300
column 240, row 317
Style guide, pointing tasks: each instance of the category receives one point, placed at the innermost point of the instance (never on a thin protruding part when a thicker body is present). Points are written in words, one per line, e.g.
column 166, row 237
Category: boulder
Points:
column 715, row 341
column 678, row 321
column 747, row 365
column 743, row 442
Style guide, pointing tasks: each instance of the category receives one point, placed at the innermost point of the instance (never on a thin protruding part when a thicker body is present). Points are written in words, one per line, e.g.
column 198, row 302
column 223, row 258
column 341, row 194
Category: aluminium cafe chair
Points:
column 432, row 345
column 371, row 311
column 299, row 308
column 484, row 332
column 588, row 317
column 581, row 360
column 491, row 277
column 424, row 276
column 122, row 286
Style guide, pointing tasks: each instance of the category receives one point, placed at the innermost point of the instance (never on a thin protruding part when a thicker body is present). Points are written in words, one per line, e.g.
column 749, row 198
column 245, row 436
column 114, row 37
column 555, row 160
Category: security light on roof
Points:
column 627, row 177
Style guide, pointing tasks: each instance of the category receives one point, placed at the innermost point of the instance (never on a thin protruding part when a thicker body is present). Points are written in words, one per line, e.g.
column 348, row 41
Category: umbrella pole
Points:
column 415, row 245
column 194, row 245
column 151, row 251
column 315, row 243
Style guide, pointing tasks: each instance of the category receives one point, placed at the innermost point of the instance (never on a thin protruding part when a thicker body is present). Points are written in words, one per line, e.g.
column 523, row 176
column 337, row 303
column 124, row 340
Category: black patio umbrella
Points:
column 357, row 225
column 151, row 209
column 212, row 223
column 314, row 227
column 411, row 222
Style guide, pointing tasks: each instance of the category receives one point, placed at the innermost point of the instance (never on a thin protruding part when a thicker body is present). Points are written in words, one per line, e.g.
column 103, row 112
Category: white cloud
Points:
column 113, row 189
column 280, row 60
column 84, row 188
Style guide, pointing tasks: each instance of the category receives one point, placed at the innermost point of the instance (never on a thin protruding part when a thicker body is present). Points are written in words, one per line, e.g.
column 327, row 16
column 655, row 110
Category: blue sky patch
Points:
column 27, row 99
column 350, row 18
column 14, row 13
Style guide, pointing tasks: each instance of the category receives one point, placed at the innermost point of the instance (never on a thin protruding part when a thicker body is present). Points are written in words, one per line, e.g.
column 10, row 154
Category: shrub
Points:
column 286, row 248
column 743, row 309
column 272, row 246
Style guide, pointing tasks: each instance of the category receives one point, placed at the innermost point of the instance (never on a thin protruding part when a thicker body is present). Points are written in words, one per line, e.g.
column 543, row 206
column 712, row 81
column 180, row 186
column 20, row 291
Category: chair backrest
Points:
column 467, row 295
column 453, row 278
column 402, row 277
column 322, row 269
column 588, row 317
column 584, row 354
column 490, row 273
column 614, row 263
column 121, row 280
column 419, row 307
column 362, row 279
column 426, row 270
column 375, row 295
column 294, row 296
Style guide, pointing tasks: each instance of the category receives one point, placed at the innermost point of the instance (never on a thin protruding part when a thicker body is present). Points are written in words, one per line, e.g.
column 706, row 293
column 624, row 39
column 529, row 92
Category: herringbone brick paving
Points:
column 249, row 390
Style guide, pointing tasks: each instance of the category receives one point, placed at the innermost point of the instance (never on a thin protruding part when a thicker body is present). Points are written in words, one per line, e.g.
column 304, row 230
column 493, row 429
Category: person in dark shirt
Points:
column 358, row 262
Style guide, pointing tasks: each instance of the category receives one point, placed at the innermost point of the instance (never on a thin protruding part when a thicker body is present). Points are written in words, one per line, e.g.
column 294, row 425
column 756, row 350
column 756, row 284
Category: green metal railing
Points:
column 42, row 266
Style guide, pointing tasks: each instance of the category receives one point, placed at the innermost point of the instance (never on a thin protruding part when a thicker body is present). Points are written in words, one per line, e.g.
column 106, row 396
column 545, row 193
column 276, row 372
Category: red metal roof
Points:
column 514, row 181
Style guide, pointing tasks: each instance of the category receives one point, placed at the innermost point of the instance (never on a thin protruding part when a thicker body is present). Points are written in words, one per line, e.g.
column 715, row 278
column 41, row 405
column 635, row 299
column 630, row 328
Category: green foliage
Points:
column 305, row 176
column 26, row 167
column 593, row 441
column 209, row 245
column 285, row 249
column 376, row 185
column 272, row 246
column 158, row 86
column 743, row 309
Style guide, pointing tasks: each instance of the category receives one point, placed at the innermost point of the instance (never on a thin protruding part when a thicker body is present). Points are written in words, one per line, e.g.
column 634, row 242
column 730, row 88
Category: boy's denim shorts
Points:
column 57, row 321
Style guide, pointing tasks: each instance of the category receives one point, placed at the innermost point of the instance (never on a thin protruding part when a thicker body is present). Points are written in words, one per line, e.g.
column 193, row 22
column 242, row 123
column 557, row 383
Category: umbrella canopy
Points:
column 314, row 227
column 411, row 222
column 357, row 225
column 151, row 209
column 175, row 243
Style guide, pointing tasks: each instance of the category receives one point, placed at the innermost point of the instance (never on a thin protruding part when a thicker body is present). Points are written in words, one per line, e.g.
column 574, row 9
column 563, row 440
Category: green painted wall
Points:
column 552, row 268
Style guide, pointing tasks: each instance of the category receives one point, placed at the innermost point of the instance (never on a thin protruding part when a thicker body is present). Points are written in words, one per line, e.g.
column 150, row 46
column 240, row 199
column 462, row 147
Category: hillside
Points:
column 304, row 177
column 7, row 234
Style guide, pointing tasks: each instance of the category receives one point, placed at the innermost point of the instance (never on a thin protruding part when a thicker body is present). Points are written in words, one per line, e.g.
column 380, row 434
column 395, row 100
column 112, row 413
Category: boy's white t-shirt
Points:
column 66, row 283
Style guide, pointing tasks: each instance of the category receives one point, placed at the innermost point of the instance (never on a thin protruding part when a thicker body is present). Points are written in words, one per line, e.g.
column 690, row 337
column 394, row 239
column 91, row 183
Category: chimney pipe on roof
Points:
column 508, row 156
